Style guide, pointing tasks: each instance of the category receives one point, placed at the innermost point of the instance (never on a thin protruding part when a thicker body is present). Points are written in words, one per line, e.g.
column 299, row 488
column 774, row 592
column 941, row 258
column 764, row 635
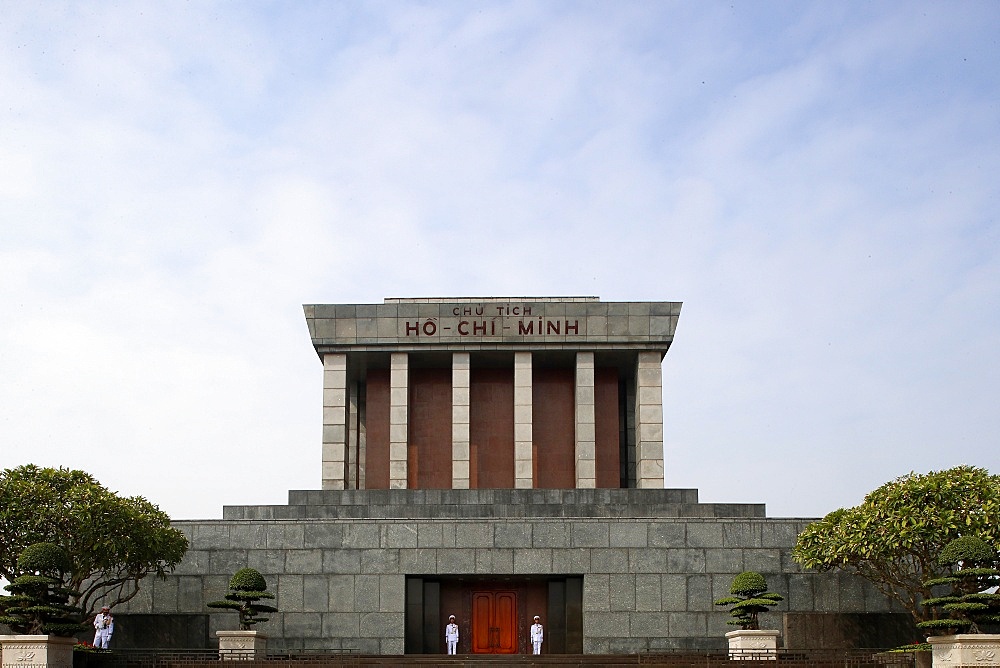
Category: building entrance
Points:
column 494, row 622
column 494, row 613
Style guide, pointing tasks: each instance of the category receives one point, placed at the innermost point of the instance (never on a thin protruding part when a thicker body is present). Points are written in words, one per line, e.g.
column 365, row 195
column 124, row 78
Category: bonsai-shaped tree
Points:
column 39, row 600
column 749, row 598
column 246, row 587
column 973, row 564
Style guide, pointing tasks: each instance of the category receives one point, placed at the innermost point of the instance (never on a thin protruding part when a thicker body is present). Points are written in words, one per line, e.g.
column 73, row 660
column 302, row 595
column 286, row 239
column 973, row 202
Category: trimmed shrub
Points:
column 749, row 598
column 973, row 563
column 246, row 588
column 39, row 600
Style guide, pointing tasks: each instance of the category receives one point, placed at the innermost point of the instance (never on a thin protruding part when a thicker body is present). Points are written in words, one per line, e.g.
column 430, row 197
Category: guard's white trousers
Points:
column 102, row 638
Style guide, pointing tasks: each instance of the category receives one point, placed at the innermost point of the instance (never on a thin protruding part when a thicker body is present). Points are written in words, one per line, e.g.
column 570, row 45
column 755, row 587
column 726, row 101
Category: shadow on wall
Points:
column 161, row 632
column 829, row 630
column 152, row 632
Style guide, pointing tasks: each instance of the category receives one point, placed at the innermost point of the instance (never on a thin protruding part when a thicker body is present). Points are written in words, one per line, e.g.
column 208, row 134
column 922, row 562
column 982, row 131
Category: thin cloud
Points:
column 816, row 183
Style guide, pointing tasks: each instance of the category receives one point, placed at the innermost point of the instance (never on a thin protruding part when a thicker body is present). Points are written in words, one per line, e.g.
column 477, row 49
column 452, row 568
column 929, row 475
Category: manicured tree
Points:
column 973, row 563
column 39, row 600
column 246, row 587
column 894, row 537
column 749, row 598
column 113, row 542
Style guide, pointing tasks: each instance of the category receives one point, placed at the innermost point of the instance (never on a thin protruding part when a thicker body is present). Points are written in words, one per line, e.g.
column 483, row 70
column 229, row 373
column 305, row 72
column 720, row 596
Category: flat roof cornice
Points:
column 492, row 323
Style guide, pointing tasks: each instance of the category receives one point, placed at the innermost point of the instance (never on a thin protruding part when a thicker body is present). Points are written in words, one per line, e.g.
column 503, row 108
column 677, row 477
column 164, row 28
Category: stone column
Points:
column 523, row 451
column 334, row 420
column 649, row 421
column 352, row 437
column 460, row 379
column 586, row 430
column 630, row 465
column 399, row 388
column 362, row 438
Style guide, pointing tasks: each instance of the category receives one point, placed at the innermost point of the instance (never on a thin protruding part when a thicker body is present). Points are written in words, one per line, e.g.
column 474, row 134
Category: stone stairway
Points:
column 493, row 503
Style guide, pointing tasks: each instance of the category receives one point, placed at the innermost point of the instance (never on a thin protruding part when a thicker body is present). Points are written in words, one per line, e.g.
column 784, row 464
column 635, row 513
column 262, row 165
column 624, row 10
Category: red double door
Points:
column 494, row 622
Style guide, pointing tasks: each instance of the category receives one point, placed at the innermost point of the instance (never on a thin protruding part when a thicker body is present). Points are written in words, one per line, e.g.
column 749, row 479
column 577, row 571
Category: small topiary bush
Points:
column 967, row 549
column 247, row 579
column 970, row 602
column 246, row 588
column 749, row 598
column 39, row 600
column 45, row 559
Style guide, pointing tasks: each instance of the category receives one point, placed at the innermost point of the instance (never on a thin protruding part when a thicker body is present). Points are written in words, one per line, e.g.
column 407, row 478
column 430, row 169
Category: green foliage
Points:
column 973, row 579
column 749, row 598
column 113, row 542
column 39, row 600
column 44, row 558
column 247, row 579
column 246, row 588
column 893, row 538
column 748, row 583
column 913, row 647
column 967, row 549
column 946, row 626
column 941, row 600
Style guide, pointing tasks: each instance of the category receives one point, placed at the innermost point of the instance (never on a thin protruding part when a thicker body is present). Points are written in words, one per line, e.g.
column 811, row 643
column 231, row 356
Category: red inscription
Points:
column 545, row 327
column 494, row 327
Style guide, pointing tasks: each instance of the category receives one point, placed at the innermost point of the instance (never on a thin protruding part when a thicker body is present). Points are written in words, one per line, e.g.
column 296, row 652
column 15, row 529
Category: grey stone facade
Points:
column 652, row 562
column 620, row 570
column 516, row 323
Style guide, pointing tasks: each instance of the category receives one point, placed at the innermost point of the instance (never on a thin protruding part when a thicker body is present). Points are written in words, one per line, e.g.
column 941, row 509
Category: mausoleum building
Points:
column 531, row 393
column 495, row 459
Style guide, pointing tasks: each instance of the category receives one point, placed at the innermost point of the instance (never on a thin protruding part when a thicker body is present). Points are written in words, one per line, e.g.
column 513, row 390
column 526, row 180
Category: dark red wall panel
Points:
column 491, row 428
column 377, row 430
column 429, row 424
column 553, row 430
column 607, row 427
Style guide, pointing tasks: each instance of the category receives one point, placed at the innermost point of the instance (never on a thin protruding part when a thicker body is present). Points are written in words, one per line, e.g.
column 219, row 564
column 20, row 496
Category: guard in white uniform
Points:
column 451, row 635
column 537, row 635
column 104, row 628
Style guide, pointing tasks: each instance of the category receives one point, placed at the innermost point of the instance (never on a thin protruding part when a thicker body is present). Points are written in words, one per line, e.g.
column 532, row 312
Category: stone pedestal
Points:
column 241, row 645
column 966, row 649
column 37, row 651
column 753, row 645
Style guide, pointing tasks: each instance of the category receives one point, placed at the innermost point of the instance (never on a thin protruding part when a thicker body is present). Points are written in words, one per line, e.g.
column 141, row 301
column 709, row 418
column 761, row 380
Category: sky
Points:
column 817, row 182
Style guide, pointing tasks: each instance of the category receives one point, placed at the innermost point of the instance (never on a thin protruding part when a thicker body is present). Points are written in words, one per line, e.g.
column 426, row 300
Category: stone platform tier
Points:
column 209, row 659
column 493, row 503
column 679, row 659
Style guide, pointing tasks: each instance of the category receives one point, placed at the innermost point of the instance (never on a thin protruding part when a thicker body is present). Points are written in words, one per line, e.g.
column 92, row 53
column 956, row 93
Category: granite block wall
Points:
column 648, row 583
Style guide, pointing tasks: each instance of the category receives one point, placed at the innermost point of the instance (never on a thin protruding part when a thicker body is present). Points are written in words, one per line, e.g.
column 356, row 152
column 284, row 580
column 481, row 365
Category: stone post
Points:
column 399, row 388
column 649, row 421
column 36, row 651
column 460, row 380
column 586, row 429
column 753, row 645
column 334, row 420
column 524, row 477
column 965, row 649
column 241, row 645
